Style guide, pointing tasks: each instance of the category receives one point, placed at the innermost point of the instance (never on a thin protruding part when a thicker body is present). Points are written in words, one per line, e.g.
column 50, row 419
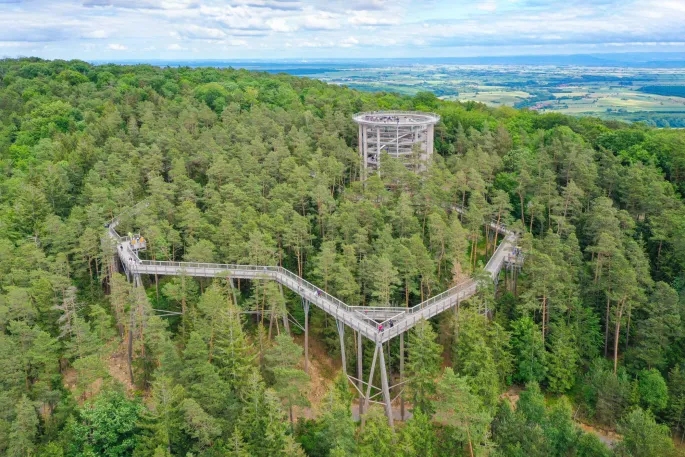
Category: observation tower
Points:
column 403, row 135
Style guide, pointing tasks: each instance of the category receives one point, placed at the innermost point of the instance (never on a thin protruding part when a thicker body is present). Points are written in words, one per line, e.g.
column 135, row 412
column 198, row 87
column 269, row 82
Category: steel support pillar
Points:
column 341, row 331
column 305, row 304
column 402, row 375
column 370, row 383
column 132, row 325
column 232, row 284
column 360, row 373
column 385, row 388
column 286, row 324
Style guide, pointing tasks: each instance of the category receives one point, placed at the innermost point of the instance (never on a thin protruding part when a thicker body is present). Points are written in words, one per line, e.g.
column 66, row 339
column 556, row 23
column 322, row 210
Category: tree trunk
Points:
column 606, row 328
column 628, row 326
column 499, row 218
column 619, row 313
column 544, row 318
column 468, row 434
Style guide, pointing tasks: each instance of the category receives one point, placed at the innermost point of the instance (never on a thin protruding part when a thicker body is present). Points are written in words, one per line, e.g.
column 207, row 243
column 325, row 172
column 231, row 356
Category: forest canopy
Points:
column 249, row 167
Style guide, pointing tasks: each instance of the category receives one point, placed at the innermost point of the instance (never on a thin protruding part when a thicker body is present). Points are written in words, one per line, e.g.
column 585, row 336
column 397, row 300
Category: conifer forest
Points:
column 580, row 353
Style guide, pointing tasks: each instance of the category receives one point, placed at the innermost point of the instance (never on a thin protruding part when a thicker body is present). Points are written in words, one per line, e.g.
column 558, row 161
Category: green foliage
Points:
column 536, row 429
column 562, row 359
column 244, row 167
column 107, row 426
column 462, row 412
column 377, row 439
column 290, row 383
column 530, row 358
column 423, row 365
column 24, row 430
column 606, row 395
column 652, row 389
column 643, row 437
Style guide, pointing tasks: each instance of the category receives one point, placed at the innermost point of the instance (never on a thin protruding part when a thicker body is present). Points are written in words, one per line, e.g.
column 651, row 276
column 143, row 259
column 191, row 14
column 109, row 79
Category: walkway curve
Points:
column 364, row 319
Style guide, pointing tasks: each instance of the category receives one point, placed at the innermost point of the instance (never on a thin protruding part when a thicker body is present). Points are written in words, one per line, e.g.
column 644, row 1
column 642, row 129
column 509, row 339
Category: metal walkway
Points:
column 378, row 324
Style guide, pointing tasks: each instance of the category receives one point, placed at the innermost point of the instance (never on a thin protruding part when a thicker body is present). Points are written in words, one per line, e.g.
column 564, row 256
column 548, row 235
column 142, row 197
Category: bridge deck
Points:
column 363, row 319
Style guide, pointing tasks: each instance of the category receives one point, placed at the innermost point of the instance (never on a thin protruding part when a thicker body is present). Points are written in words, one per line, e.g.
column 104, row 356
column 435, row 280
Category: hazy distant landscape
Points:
column 653, row 95
column 648, row 87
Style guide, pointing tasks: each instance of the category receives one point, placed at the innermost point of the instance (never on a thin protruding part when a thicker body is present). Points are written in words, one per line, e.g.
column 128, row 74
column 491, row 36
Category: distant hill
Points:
column 305, row 67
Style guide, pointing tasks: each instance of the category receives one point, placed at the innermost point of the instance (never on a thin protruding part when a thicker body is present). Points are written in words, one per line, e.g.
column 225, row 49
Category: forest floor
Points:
column 117, row 367
column 322, row 371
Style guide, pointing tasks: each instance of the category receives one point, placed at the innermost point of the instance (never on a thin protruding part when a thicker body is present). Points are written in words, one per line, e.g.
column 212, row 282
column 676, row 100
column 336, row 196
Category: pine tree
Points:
column 529, row 352
column 417, row 437
column 163, row 419
column 423, row 366
column 462, row 411
column 473, row 357
column 562, row 359
column 384, row 280
column 338, row 427
column 290, row 382
column 199, row 425
column 236, row 445
column 261, row 419
column 377, row 438
column 643, row 437
column 24, row 430
column 231, row 350
column 200, row 378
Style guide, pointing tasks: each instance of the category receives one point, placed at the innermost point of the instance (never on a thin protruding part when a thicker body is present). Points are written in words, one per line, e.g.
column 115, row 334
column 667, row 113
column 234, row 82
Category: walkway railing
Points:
column 402, row 318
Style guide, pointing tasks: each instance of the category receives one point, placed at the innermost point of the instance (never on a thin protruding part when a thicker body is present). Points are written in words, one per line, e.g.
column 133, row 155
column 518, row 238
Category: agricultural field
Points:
column 630, row 94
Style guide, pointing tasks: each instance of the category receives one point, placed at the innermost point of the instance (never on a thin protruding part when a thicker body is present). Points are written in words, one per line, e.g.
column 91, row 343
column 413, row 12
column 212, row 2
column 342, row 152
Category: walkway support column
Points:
column 132, row 324
column 370, row 383
column 385, row 388
column 360, row 373
column 341, row 332
column 402, row 375
column 305, row 303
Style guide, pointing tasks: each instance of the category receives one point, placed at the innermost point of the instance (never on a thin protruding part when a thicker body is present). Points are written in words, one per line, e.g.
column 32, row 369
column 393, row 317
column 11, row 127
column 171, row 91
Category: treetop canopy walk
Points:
column 378, row 324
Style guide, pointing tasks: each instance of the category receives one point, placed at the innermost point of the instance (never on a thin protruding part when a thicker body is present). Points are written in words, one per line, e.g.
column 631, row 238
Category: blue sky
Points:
column 268, row 29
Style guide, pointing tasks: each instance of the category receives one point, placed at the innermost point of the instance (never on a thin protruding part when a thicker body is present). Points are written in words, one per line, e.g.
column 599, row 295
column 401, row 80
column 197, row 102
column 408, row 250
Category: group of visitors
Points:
column 383, row 119
column 391, row 324
column 137, row 241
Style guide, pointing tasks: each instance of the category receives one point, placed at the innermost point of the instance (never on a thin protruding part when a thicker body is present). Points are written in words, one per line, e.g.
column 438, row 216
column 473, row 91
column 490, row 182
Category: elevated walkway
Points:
column 378, row 324
column 364, row 319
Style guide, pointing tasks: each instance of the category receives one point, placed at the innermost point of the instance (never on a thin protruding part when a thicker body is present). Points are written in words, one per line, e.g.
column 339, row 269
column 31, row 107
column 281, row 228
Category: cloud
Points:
column 368, row 28
column 31, row 33
column 235, row 42
column 96, row 34
column 489, row 5
column 349, row 42
column 282, row 5
column 321, row 21
column 197, row 32
column 280, row 24
column 368, row 18
column 117, row 47
column 143, row 4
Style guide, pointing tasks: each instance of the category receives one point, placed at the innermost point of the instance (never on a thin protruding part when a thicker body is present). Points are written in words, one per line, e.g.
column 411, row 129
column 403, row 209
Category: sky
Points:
column 318, row 29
